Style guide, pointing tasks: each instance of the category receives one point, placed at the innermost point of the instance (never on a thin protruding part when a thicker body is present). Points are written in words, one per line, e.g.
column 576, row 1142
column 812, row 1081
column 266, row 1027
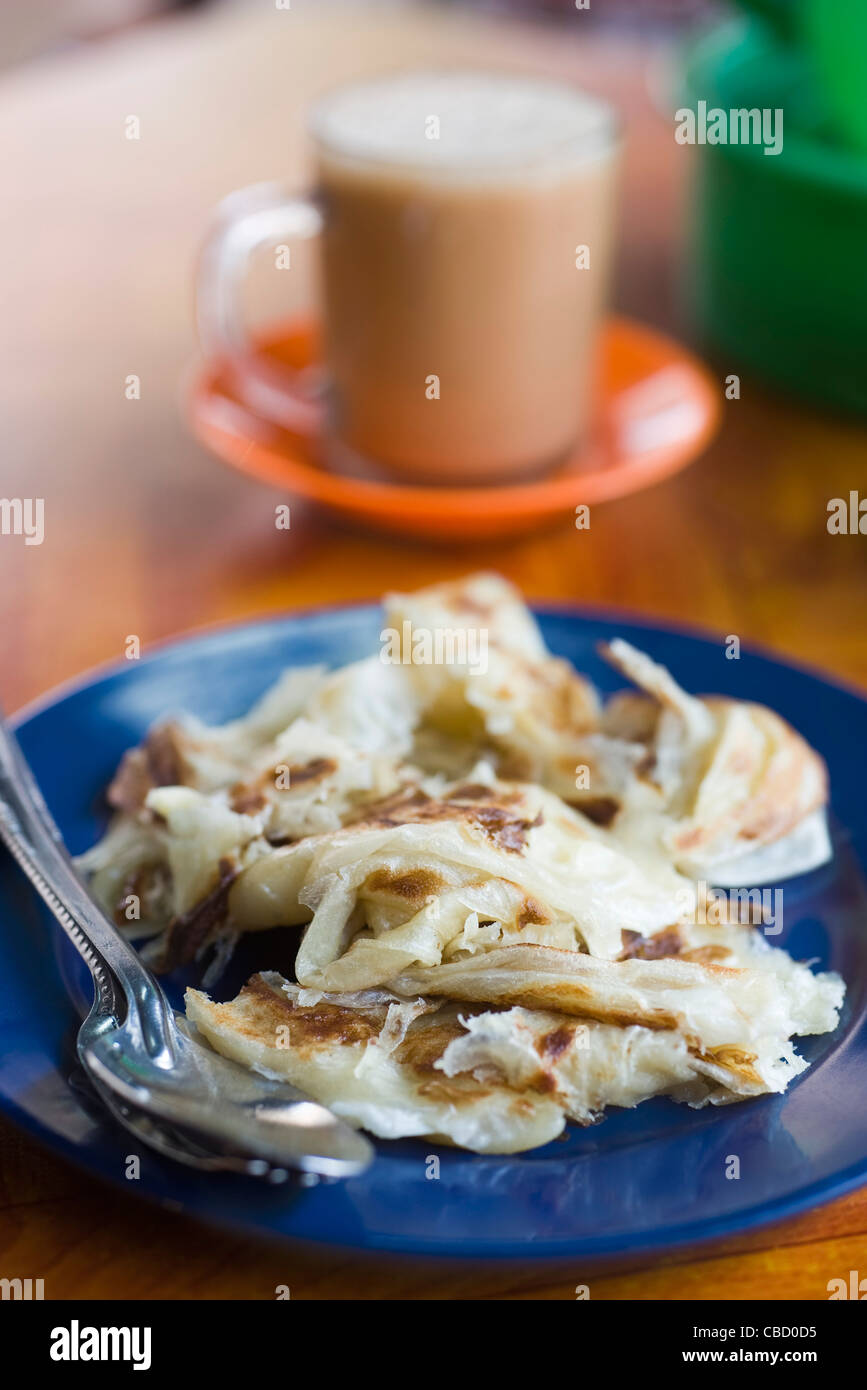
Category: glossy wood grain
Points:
column 145, row 534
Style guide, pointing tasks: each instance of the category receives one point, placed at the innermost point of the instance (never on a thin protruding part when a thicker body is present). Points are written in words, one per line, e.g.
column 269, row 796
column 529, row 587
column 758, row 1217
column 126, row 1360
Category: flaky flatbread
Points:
column 493, row 1081
column 498, row 884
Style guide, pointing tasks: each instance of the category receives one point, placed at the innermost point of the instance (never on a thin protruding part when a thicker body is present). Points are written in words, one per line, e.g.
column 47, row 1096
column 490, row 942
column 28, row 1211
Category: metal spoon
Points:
column 168, row 1088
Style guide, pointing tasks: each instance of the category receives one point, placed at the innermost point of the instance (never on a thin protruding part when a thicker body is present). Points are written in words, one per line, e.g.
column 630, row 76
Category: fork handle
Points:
column 27, row 828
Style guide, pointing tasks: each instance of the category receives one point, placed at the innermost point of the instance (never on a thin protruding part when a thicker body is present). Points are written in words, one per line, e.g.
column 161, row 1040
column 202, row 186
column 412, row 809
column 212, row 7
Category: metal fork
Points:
column 170, row 1090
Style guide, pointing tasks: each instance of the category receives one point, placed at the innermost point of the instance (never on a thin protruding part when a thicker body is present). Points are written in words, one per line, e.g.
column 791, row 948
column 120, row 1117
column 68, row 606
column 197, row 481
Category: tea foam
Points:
column 462, row 121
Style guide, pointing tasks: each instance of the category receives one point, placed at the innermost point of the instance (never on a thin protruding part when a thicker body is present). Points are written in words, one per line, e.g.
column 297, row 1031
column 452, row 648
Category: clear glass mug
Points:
column 464, row 282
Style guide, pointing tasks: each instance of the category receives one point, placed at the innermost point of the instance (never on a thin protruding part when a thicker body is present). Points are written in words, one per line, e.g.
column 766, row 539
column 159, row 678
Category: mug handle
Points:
column 264, row 214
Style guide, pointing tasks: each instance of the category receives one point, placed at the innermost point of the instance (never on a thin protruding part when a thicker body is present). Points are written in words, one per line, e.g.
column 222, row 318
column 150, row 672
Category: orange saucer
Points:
column 659, row 408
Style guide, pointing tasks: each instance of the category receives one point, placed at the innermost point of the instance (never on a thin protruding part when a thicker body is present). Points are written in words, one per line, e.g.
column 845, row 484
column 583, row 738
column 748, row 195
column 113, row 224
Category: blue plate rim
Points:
column 698, row 1235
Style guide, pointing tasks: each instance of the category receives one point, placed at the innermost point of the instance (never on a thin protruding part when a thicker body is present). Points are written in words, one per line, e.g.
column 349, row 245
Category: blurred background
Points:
column 754, row 262
column 31, row 28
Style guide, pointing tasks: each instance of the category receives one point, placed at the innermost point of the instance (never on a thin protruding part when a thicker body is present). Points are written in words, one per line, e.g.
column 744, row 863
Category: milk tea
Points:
column 466, row 248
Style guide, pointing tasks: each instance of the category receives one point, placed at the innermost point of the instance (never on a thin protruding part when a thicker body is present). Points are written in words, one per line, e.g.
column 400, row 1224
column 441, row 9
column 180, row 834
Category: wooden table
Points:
column 145, row 534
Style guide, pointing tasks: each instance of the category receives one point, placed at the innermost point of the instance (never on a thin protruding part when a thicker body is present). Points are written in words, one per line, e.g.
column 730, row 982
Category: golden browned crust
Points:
column 664, row 943
column 425, row 1044
column 413, row 886
column 187, row 934
column 553, row 982
column 269, row 1014
column 495, row 816
column 569, row 997
column 309, row 1026
column 313, row 771
column 707, row 955
column 531, row 913
column 552, row 1045
column 602, row 810
column 737, row 1060
column 248, row 798
column 159, row 762
column 667, row 943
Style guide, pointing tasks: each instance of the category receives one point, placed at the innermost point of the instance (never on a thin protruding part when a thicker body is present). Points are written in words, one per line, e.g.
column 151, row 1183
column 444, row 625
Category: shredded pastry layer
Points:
column 498, row 880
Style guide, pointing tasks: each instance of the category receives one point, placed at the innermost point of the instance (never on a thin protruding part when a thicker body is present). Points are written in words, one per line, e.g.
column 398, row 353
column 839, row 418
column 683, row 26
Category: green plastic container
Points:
column 779, row 242
column 834, row 33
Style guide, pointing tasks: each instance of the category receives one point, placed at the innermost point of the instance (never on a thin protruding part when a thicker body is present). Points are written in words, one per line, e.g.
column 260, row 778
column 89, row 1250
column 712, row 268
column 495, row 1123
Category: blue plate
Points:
column 642, row 1180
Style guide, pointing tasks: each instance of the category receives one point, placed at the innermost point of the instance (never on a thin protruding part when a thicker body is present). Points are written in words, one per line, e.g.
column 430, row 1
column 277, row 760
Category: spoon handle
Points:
column 34, row 841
